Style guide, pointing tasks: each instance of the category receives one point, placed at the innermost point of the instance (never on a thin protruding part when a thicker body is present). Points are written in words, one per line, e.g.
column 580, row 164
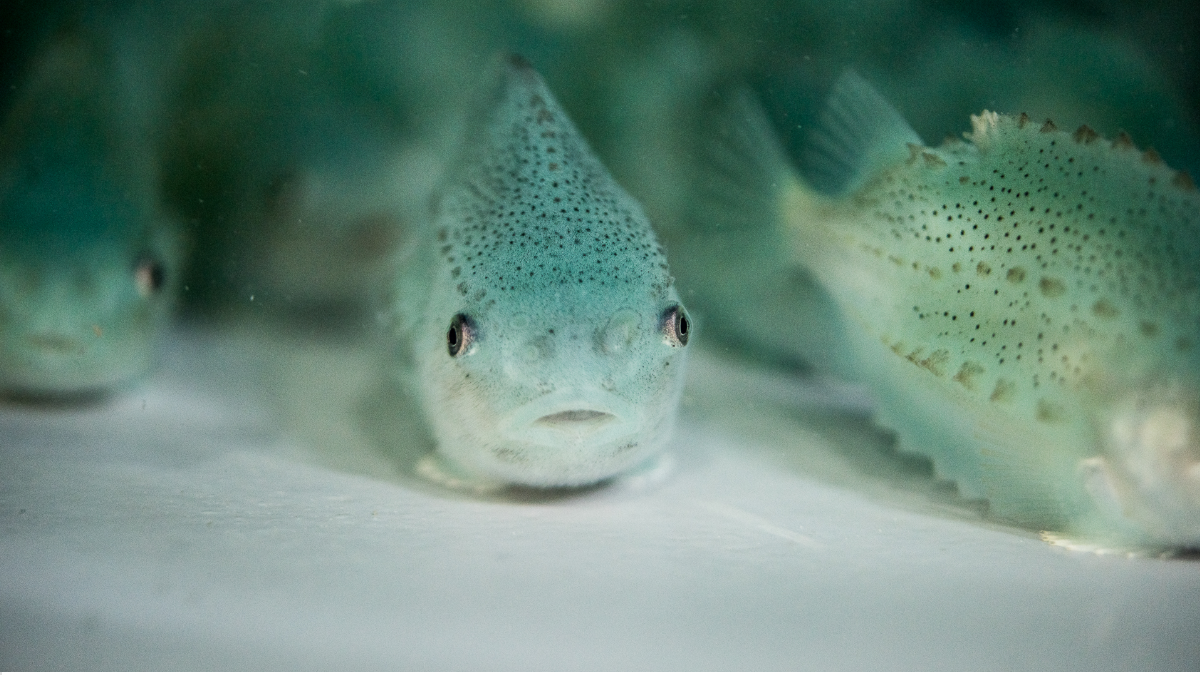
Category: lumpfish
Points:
column 87, row 263
column 1025, row 305
column 538, row 319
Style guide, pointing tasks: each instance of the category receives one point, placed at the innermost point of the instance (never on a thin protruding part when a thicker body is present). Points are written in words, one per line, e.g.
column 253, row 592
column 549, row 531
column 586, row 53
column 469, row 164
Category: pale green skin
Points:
column 572, row 376
column 78, row 221
column 1026, row 307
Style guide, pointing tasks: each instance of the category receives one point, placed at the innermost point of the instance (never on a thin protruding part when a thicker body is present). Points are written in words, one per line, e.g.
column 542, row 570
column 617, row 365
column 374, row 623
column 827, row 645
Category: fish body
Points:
column 1024, row 304
column 537, row 316
column 88, row 265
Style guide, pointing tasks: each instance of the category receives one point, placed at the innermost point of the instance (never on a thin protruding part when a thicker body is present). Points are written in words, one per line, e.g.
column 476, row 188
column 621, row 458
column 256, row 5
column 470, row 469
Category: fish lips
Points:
column 573, row 419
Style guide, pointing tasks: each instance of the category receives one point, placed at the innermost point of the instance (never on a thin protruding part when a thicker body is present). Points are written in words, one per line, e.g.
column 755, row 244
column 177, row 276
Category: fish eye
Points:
column 675, row 326
column 461, row 334
column 150, row 276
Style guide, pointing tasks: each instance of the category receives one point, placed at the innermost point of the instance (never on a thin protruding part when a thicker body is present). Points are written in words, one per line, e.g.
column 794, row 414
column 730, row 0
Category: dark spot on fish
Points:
column 935, row 362
column 1051, row 287
column 1104, row 309
column 966, row 374
column 1048, row 412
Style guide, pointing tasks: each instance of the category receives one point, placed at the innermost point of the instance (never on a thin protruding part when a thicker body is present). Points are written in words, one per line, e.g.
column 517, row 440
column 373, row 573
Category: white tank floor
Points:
column 180, row 526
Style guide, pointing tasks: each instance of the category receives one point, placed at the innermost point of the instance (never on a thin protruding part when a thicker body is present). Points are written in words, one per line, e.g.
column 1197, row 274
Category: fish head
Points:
column 85, row 293
column 566, row 386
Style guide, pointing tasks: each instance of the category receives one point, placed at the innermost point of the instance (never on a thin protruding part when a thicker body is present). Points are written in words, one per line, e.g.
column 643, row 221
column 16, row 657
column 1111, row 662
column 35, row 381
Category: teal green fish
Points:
column 1025, row 305
column 87, row 263
column 538, row 320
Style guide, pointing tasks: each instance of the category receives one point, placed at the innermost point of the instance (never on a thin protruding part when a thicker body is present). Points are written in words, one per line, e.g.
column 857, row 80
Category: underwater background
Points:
column 241, row 506
column 243, row 98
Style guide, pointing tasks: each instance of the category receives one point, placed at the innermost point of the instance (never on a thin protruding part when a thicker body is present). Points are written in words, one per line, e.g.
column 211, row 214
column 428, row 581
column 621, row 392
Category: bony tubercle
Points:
column 544, row 336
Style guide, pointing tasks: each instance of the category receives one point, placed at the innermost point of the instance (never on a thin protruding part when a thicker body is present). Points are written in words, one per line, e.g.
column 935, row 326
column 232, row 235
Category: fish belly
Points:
column 993, row 450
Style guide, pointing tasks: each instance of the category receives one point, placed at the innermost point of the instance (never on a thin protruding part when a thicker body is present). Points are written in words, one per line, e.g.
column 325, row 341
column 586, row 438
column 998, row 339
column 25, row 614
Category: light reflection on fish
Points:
column 1025, row 305
column 88, row 265
column 546, row 340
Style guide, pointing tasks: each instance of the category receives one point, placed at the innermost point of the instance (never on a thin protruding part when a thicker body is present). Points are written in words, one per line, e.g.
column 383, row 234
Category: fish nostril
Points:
column 620, row 331
column 538, row 349
column 575, row 419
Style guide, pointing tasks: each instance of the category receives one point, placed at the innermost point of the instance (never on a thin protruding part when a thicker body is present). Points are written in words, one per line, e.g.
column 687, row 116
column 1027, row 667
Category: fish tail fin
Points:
column 858, row 134
column 749, row 238
column 744, row 171
column 748, row 184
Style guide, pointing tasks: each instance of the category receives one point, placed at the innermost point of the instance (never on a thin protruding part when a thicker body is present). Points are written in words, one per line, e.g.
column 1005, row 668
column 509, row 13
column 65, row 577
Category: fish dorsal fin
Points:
column 743, row 167
column 859, row 133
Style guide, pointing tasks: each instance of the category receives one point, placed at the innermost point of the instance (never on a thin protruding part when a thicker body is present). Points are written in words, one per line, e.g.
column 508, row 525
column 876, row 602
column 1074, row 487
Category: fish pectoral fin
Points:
column 859, row 133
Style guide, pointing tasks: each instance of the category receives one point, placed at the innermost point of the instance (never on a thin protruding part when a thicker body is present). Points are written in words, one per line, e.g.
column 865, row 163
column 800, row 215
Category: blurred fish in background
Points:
column 89, row 262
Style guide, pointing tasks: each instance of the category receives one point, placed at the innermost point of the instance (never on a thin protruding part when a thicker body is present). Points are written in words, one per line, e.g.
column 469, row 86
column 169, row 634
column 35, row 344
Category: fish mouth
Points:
column 56, row 344
column 579, row 418
column 572, row 419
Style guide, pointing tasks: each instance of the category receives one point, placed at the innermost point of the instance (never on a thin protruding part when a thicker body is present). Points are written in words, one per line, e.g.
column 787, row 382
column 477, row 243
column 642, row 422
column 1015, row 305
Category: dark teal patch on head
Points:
column 536, row 209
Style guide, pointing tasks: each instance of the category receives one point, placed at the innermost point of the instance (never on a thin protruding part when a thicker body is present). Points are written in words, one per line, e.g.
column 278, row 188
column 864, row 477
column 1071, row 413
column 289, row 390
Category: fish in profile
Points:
column 538, row 321
column 1025, row 304
column 87, row 262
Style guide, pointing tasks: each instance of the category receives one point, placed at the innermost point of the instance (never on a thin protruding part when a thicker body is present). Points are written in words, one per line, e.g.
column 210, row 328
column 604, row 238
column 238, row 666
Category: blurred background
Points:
column 299, row 141
column 239, row 510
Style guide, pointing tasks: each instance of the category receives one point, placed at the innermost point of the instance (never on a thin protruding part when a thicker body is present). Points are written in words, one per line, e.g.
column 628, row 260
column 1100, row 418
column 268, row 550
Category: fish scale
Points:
column 1025, row 305
column 537, row 317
